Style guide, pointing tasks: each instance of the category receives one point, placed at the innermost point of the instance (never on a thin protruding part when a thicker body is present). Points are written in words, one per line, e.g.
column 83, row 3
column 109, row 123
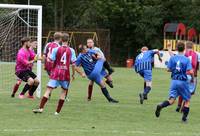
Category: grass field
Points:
column 98, row 117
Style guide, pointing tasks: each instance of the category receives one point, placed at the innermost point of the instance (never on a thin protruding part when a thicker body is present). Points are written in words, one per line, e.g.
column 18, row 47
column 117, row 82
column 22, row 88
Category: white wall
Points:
column 165, row 59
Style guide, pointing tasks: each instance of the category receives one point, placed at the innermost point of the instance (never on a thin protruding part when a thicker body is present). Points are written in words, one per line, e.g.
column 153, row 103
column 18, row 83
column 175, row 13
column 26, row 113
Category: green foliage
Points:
column 133, row 23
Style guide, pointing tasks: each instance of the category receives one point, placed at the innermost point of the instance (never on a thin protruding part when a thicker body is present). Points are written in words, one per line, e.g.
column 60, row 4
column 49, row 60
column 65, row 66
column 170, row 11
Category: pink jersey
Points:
column 62, row 61
column 47, row 52
column 23, row 56
column 193, row 56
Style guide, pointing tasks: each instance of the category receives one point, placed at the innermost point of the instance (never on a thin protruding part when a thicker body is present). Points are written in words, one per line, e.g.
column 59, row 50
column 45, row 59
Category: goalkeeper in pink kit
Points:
column 23, row 68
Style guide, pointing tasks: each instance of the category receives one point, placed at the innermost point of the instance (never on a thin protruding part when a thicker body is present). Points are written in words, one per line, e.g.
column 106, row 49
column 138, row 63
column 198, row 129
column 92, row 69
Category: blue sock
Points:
column 147, row 90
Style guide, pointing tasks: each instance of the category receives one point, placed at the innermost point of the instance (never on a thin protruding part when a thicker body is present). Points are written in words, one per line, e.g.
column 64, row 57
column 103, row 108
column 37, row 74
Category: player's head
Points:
column 90, row 43
column 144, row 48
column 82, row 48
column 57, row 36
column 33, row 43
column 180, row 47
column 65, row 38
column 189, row 45
column 25, row 42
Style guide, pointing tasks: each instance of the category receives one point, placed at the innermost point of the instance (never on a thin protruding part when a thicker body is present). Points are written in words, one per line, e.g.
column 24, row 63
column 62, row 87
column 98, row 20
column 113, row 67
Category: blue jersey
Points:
column 179, row 65
column 144, row 60
column 86, row 61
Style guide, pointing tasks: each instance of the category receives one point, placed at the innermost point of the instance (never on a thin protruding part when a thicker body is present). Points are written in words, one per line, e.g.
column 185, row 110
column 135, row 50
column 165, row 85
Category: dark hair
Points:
column 65, row 37
column 33, row 40
column 180, row 46
column 81, row 47
column 24, row 39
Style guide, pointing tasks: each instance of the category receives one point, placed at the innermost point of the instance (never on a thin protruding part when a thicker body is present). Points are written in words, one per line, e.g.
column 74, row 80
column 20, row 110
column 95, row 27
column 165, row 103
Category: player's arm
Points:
column 159, row 57
column 73, row 60
column 78, row 70
column 99, row 56
column 22, row 60
column 77, row 65
column 73, row 71
column 169, row 66
column 156, row 51
column 169, row 48
column 101, row 53
column 190, row 70
column 53, row 54
column 44, row 56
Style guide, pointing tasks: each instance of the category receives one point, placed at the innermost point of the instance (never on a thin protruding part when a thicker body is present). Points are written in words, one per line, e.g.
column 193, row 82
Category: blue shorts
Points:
column 192, row 85
column 98, row 72
column 146, row 74
column 55, row 83
column 179, row 88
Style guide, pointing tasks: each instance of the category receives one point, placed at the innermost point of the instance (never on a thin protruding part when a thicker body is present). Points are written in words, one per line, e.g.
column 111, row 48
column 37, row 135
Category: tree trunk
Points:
column 62, row 15
column 55, row 15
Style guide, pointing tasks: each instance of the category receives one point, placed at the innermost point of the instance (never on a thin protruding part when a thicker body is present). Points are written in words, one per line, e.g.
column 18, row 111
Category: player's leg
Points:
column 66, row 95
column 108, row 77
column 97, row 70
column 164, row 104
column 48, row 73
column 186, row 109
column 35, row 85
column 98, row 79
column 16, row 87
column 107, row 66
column 148, row 82
column 29, row 82
column 173, row 93
column 105, row 92
column 43, row 100
column 27, row 87
column 186, row 95
column 180, row 101
column 90, row 89
column 61, row 101
column 147, row 89
column 147, row 75
column 192, row 88
column 50, row 86
column 145, row 85
column 65, row 86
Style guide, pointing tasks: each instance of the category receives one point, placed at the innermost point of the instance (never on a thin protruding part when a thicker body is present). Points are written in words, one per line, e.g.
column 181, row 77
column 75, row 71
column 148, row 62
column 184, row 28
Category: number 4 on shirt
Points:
column 63, row 58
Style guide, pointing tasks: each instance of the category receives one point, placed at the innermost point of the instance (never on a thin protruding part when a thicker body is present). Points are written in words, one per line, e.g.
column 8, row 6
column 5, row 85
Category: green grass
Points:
column 98, row 117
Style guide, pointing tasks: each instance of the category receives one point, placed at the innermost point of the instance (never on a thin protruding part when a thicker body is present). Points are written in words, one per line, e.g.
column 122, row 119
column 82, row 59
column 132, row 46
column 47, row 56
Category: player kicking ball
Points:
column 24, row 63
column 106, row 65
column 143, row 66
column 60, row 75
column 179, row 66
column 92, row 64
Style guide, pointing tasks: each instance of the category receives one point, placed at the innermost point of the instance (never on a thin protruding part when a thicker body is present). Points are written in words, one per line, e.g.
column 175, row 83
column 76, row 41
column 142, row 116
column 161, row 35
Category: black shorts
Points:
column 25, row 75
